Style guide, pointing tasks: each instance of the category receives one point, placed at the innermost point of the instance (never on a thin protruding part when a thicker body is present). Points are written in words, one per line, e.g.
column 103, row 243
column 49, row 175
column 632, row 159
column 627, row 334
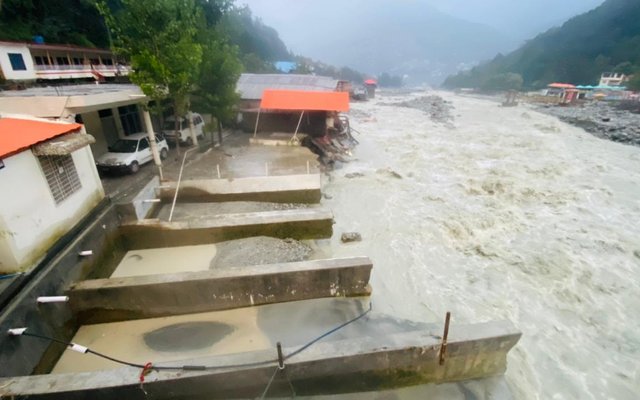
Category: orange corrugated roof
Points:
column 304, row 100
column 558, row 85
column 18, row 134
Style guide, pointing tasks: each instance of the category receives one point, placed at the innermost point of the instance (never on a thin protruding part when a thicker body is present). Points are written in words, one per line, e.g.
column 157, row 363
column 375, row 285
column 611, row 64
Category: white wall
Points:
column 30, row 221
column 5, row 64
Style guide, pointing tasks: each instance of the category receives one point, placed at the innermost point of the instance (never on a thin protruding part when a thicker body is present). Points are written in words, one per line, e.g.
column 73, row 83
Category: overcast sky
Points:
column 521, row 19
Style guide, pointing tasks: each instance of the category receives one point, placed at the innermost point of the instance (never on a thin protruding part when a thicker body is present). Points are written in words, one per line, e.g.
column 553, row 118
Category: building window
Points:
column 41, row 60
column 61, row 175
column 17, row 62
column 130, row 119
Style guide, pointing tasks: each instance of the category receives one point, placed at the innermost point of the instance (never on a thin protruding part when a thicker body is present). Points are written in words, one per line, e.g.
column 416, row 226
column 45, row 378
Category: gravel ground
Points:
column 615, row 121
column 259, row 250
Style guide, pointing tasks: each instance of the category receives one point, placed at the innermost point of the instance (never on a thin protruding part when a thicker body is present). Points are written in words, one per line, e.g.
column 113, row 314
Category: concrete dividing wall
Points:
column 328, row 367
column 307, row 223
column 138, row 208
column 118, row 299
column 277, row 189
column 61, row 267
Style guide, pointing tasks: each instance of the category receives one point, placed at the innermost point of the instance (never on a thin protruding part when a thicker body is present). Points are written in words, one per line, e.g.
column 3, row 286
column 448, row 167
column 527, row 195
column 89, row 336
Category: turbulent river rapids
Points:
column 500, row 213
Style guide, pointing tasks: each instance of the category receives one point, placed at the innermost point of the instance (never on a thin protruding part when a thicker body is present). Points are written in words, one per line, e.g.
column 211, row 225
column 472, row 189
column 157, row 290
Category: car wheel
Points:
column 134, row 167
column 163, row 154
column 189, row 141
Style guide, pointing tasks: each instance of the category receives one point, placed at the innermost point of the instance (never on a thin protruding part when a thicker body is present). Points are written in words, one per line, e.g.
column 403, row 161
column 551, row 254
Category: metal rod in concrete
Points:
column 255, row 130
column 295, row 134
column 443, row 346
column 280, row 358
column 308, row 168
column 218, row 168
column 175, row 195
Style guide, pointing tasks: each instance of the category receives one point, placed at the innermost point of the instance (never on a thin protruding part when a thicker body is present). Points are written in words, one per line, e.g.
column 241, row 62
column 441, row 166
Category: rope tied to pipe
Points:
column 146, row 370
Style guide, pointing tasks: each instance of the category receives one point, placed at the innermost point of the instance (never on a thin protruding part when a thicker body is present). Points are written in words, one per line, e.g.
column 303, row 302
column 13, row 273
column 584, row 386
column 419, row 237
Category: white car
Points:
column 129, row 153
column 183, row 135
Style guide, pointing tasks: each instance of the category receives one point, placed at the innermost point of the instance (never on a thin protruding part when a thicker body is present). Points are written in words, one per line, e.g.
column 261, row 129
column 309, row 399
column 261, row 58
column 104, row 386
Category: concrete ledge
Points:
column 330, row 367
column 139, row 207
column 306, row 223
column 276, row 189
column 118, row 299
column 276, row 139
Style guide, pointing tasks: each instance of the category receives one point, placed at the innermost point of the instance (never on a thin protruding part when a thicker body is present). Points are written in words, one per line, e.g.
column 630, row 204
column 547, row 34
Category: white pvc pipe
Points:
column 16, row 331
column 78, row 348
column 52, row 299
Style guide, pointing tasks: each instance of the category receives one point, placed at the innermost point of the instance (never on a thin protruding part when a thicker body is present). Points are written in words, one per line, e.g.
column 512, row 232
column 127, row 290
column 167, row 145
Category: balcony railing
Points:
column 116, row 69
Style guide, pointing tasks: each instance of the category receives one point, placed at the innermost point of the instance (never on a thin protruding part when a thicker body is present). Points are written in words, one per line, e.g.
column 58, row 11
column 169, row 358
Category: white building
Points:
column 613, row 79
column 108, row 111
column 49, row 62
column 48, row 183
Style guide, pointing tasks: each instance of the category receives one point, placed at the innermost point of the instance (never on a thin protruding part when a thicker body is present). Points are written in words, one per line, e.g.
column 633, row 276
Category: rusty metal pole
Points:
column 443, row 346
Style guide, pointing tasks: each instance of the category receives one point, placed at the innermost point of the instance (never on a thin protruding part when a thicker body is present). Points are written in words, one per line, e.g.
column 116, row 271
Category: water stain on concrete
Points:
column 187, row 336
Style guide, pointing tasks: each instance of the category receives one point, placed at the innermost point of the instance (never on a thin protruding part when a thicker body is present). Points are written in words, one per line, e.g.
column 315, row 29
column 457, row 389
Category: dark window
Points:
column 105, row 113
column 144, row 144
column 62, row 60
column 77, row 61
column 108, row 61
column 39, row 60
column 95, row 61
column 61, row 175
column 17, row 62
column 130, row 119
column 79, row 119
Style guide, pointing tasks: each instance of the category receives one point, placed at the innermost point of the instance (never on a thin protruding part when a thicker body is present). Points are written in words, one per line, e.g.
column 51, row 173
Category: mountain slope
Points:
column 577, row 52
column 375, row 36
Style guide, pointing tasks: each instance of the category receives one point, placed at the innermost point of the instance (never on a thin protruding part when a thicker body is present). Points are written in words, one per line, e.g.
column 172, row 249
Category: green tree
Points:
column 634, row 82
column 159, row 39
column 215, row 92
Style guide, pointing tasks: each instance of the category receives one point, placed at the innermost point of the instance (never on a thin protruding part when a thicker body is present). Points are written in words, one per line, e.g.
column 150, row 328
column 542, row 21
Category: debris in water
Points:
column 351, row 237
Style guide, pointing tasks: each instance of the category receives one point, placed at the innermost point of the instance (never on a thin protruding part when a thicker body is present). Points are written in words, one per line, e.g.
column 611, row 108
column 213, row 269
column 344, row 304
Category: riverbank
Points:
column 615, row 121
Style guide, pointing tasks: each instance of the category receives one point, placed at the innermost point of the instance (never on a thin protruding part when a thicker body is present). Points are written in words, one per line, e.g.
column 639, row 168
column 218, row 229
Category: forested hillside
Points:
column 604, row 39
column 78, row 22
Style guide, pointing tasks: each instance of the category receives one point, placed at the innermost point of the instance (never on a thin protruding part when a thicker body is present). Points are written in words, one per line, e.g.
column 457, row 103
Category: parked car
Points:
column 129, row 153
column 183, row 136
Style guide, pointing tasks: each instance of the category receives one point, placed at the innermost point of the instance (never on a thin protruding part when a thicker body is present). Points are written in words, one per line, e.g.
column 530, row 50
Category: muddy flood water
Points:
column 501, row 213
column 488, row 212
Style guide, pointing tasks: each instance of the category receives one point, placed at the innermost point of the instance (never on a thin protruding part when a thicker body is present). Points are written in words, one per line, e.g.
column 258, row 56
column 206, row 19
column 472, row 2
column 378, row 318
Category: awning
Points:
column 298, row 100
column 63, row 145
column 17, row 134
column 557, row 85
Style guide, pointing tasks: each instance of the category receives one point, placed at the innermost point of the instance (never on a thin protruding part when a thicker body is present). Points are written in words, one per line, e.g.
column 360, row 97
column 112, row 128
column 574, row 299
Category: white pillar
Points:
column 192, row 132
column 152, row 141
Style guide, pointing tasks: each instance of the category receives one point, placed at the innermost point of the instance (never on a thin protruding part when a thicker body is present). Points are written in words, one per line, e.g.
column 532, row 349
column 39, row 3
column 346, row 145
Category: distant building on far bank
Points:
column 613, row 79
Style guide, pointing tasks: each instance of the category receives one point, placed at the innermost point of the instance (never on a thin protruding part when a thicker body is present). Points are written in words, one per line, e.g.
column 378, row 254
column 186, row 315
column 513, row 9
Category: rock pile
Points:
column 438, row 109
column 616, row 121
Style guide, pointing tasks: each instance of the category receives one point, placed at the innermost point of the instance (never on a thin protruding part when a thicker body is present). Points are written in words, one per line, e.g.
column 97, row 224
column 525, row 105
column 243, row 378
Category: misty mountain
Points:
column 577, row 52
column 411, row 39
column 401, row 37
column 521, row 19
